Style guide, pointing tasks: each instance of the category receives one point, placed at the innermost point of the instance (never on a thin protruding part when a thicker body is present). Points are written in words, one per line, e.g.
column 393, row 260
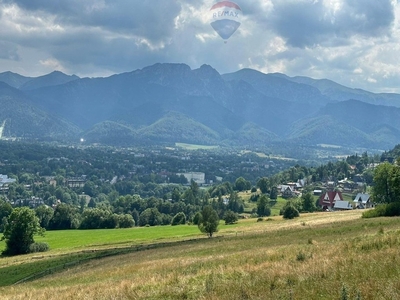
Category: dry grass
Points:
column 307, row 258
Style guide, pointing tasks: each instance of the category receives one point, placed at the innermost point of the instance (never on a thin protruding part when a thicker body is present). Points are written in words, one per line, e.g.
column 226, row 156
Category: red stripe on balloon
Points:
column 225, row 4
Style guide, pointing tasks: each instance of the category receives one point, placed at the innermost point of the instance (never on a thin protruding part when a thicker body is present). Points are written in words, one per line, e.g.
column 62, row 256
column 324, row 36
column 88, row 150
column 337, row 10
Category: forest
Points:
column 140, row 187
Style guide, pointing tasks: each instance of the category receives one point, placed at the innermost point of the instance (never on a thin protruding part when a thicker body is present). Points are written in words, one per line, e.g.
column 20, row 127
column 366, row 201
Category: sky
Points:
column 353, row 42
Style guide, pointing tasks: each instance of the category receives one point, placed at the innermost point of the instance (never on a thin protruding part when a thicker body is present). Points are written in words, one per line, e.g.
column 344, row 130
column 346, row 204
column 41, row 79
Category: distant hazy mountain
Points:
column 13, row 79
column 335, row 91
column 280, row 87
column 173, row 103
column 54, row 78
column 24, row 120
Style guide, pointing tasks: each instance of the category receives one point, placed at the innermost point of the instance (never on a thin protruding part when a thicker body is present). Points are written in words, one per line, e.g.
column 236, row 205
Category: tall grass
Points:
column 272, row 260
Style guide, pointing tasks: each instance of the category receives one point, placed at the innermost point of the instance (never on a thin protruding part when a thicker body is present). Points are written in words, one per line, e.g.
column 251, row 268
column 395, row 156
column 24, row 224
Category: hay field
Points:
column 317, row 256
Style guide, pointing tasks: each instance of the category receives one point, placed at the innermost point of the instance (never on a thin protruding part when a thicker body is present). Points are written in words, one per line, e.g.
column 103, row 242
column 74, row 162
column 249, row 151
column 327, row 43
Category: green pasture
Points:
column 276, row 206
column 79, row 239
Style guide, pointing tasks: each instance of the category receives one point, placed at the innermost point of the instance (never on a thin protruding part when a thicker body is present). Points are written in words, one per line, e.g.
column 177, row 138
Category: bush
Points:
column 379, row 211
column 38, row 247
column 254, row 197
column 393, row 209
column 290, row 212
column 230, row 217
column 383, row 210
column 301, row 256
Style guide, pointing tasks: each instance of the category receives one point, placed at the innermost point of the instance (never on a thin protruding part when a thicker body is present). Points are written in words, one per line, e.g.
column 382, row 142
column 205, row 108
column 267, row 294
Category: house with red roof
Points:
column 328, row 199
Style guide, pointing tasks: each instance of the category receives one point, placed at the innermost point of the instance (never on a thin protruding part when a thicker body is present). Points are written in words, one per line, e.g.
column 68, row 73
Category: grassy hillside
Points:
column 318, row 256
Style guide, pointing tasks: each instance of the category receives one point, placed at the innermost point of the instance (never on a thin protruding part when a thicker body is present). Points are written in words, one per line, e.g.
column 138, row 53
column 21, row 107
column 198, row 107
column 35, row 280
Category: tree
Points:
column 242, row 184
column 197, row 218
column 290, row 212
column 308, row 202
column 151, row 217
column 235, row 203
column 263, row 185
column 274, row 193
column 179, row 219
column 126, row 221
column 5, row 211
column 176, row 195
column 65, row 217
column 22, row 225
column 99, row 218
column 384, row 188
column 230, row 217
column 44, row 213
column 263, row 209
column 209, row 221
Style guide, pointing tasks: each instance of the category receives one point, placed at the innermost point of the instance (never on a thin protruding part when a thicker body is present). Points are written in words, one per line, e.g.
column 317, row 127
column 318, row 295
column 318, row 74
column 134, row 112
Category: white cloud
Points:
column 349, row 41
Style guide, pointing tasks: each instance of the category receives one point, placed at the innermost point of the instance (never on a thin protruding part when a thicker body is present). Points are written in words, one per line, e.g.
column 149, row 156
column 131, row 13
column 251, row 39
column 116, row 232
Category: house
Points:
column 317, row 192
column 197, row 177
column 330, row 184
column 287, row 191
column 301, row 183
column 4, row 180
column 76, row 182
column 342, row 205
column 32, row 202
column 363, row 201
column 328, row 199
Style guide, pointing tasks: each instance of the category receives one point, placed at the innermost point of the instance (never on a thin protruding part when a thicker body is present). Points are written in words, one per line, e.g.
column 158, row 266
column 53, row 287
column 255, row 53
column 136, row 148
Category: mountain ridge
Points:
column 172, row 102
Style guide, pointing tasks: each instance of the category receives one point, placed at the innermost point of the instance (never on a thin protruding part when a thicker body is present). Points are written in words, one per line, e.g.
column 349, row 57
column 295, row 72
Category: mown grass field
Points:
column 316, row 256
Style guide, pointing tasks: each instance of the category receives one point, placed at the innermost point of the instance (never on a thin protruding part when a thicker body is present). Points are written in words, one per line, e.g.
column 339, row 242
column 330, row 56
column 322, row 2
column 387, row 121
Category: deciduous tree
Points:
column 263, row 185
column 230, row 217
column 263, row 209
column 384, row 188
column 22, row 225
column 209, row 221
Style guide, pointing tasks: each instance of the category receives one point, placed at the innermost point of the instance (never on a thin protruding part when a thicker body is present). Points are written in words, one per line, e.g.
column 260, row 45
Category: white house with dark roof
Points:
column 363, row 201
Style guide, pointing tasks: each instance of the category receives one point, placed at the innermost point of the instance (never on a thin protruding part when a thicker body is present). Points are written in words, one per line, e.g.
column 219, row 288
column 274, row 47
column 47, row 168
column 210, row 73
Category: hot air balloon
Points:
column 225, row 18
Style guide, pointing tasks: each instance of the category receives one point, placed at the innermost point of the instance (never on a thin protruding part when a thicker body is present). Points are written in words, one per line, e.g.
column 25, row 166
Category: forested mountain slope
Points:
column 172, row 102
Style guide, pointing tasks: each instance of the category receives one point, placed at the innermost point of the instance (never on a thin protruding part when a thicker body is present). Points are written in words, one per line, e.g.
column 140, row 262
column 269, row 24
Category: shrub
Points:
column 38, row 247
column 301, row 256
column 230, row 217
column 290, row 212
column 383, row 210
column 254, row 197
column 379, row 211
column 392, row 209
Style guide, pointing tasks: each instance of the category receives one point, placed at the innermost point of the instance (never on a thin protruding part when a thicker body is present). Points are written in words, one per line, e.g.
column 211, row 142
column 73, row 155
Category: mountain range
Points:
column 167, row 103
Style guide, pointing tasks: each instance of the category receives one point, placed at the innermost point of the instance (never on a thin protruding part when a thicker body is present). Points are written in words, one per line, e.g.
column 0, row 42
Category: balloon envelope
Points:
column 225, row 18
